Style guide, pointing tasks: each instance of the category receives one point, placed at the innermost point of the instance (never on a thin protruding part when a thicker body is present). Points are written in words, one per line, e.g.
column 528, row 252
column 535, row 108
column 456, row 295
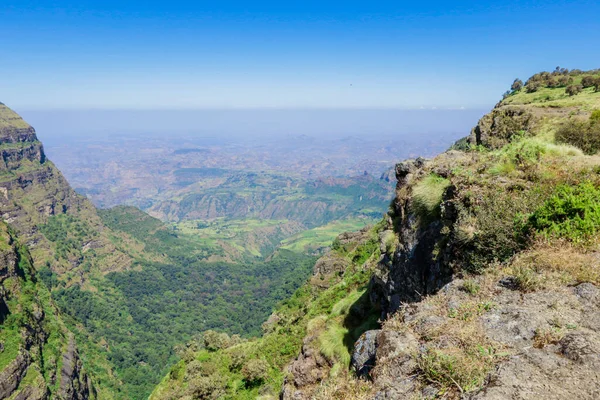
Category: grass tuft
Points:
column 428, row 195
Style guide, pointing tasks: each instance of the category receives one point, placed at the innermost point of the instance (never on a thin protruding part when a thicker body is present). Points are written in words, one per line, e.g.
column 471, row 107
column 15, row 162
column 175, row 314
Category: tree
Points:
column 517, row 85
column 533, row 87
column 255, row 371
column 588, row 81
column 565, row 80
column 573, row 90
column 597, row 84
column 214, row 341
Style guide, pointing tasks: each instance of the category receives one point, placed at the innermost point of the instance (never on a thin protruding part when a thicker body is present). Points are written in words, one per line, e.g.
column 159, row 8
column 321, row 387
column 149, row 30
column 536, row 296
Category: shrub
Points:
column 564, row 81
column 495, row 237
column 595, row 116
column 581, row 134
column 572, row 212
column 552, row 83
column 255, row 371
column 471, row 287
column 238, row 357
column 573, row 90
column 465, row 370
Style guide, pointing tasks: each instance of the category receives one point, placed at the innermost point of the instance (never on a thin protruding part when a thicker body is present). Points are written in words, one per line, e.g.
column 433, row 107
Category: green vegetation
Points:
column 582, row 134
column 321, row 237
column 427, row 196
column 560, row 88
column 29, row 320
column 572, row 212
column 68, row 233
column 336, row 316
column 163, row 304
column 465, row 370
column 236, row 239
column 265, row 196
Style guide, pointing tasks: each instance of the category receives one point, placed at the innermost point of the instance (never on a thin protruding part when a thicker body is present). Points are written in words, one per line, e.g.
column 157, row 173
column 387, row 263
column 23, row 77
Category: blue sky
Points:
column 176, row 54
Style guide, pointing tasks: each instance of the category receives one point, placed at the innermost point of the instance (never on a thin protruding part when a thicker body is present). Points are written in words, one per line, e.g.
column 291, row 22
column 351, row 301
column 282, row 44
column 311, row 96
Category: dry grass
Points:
column 545, row 337
column 551, row 264
column 344, row 386
column 458, row 356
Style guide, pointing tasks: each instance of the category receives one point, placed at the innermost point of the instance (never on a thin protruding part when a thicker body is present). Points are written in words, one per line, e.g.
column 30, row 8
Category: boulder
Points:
column 365, row 349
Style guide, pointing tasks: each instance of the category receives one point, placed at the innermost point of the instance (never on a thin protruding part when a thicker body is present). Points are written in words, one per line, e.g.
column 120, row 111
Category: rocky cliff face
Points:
column 32, row 191
column 473, row 303
column 38, row 357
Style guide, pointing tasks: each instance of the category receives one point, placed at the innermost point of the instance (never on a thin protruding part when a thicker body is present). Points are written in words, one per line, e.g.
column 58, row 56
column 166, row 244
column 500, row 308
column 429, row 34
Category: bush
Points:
column 255, row 371
column 564, row 81
column 573, row 90
column 595, row 117
column 238, row 357
column 581, row 134
column 496, row 235
column 572, row 212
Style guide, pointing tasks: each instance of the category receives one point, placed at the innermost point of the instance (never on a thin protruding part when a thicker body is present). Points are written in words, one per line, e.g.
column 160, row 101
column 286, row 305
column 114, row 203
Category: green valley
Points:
column 131, row 287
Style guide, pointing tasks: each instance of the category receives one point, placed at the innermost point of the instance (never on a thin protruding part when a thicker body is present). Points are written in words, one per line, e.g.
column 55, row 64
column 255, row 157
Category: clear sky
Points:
column 200, row 54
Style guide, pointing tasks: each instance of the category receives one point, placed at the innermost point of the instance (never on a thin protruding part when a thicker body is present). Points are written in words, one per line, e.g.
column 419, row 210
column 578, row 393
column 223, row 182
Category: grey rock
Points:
column 581, row 347
column 363, row 356
column 12, row 375
column 586, row 291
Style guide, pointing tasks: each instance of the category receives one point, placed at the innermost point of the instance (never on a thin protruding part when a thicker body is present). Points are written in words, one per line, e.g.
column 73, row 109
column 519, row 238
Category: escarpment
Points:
column 479, row 298
column 483, row 282
column 479, row 283
column 33, row 192
column 38, row 357
column 61, row 235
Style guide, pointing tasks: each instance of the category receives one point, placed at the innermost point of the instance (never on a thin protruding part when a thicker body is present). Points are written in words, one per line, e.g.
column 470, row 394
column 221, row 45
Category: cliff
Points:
column 33, row 192
column 481, row 282
column 38, row 357
column 68, row 246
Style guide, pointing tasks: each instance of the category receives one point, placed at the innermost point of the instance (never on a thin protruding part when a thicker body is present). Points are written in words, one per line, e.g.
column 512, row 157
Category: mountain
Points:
column 269, row 196
column 34, row 193
column 481, row 282
column 128, row 287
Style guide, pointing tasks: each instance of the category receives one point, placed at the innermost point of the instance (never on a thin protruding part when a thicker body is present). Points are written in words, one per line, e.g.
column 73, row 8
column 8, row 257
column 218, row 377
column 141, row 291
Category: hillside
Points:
column 481, row 281
column 38, row 355
column 128, row 287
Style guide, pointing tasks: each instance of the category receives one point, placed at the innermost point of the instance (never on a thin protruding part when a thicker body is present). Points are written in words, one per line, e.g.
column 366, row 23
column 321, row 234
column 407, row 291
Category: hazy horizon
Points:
column 251, row 123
